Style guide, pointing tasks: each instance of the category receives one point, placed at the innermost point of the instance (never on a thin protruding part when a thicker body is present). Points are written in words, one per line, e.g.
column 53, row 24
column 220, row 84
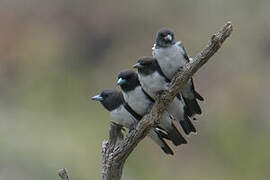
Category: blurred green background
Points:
column 54, row 55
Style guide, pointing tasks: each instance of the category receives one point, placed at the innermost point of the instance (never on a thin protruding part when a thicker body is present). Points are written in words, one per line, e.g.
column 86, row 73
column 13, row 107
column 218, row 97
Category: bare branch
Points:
column 111, row 169
column 115, row 154
column 63, row 174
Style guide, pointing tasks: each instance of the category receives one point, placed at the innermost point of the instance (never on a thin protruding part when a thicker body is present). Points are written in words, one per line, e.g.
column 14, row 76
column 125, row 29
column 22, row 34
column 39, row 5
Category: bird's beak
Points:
column 137, row 65
column 168, row 37
column 97, row 98
column 121, row 81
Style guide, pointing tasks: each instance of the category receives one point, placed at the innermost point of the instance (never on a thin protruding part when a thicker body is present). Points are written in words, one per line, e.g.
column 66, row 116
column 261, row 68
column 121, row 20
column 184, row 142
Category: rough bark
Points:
column 111, row 168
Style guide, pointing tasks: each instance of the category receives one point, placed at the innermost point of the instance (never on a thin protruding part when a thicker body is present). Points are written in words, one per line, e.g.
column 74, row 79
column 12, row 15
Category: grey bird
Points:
column 141, row 102
column 121, row 113
column 171, row 56
column 153, row 81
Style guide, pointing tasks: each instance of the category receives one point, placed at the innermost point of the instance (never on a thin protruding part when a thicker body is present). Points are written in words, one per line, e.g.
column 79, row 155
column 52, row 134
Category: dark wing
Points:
column 197, row 95
column 192, row 106
column 184, row 52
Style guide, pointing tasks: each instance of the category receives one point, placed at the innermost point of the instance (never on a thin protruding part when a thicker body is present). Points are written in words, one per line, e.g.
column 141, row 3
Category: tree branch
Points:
column 110, row 168
column 115, row 151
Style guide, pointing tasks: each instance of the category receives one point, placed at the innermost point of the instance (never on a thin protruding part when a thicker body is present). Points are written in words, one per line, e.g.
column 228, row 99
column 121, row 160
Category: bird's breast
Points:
column 138, row 101
column 153, row 83
column 123, row 117
column 170, row 59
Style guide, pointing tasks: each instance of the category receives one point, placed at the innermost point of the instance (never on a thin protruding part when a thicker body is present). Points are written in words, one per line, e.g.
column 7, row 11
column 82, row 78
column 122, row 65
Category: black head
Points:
column 146, row 65
column 128, row 80
column 164, row 38
column 110, row 99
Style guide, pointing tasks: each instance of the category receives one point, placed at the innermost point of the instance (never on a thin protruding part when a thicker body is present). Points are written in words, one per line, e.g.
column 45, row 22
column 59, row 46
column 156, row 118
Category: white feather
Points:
column 176, row 109
column 153, row 83
column 123, row 117
column 170, row 59
column 137, row 100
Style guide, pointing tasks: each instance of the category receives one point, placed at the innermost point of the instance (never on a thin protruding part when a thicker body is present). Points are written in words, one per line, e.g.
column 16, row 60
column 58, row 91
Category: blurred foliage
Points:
column 54, row 55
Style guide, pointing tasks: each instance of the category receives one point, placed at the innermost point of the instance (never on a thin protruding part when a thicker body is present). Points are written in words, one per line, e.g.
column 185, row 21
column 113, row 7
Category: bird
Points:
column 141, row 102
column 153, row 81
column 113, row 101
column 171, row 56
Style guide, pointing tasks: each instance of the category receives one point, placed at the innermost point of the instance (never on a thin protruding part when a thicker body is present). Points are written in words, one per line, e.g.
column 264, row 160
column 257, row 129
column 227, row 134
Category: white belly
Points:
column 123, row 117
column 138, row 101
column 170, row 59
column 153, row 83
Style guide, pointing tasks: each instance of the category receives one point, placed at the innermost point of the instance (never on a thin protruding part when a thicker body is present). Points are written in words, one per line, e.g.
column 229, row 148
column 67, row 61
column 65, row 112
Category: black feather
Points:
column 197, row 95
column 184, row 52
column 175, row 136
column 162, row 134
column 192, row 107
column 187, row 125
column 166, row 147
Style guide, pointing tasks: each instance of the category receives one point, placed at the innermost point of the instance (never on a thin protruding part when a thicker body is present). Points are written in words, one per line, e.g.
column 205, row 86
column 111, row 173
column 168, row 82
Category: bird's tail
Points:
column 187, row 125
column 175, row 136
column 198, row 96
column 160, row 141
column 192, row 106
column 190, row 97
